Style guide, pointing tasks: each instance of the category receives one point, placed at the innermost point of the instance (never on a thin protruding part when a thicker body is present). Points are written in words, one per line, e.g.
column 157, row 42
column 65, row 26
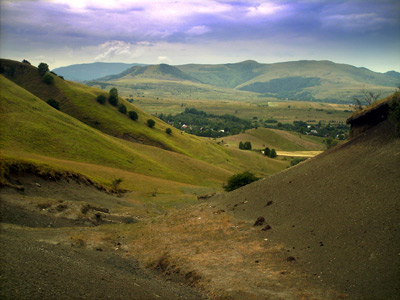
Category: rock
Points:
column 260, row 221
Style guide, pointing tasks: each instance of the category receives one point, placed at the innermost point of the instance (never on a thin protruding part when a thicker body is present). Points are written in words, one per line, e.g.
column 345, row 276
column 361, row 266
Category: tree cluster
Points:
column 200, row 123
column 44, row 72
column 245, row 145
column 270, row 152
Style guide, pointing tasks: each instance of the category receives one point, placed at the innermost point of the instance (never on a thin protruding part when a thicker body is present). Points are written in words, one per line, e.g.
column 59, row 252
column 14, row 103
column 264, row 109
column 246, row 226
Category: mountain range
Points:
column 297, row 80
column 83, row 72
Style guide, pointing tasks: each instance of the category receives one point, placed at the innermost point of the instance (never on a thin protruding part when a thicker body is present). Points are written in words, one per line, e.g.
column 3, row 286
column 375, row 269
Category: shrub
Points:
column 43, row 69
column 297, row 160
column 115, row 184
column 133, row 115
column 151, row 123
column 122, row 108
column 113, row 97
column 53, row 103
column 113, row 100
column 245, row 145
column 168, row 131
column 238, row 180
column 48, row 78
column 330, row 143
column 26, row 62
column 101, row 99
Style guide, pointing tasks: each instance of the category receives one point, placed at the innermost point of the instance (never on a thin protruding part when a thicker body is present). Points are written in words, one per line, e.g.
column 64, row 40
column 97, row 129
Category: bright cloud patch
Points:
column 198, row 30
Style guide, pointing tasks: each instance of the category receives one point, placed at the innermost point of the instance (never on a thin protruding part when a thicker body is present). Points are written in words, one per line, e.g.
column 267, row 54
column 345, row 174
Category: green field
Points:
column 282, row 111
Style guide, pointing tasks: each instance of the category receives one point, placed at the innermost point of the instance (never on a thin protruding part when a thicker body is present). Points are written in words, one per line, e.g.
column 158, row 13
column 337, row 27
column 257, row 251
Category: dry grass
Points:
column 206, row 248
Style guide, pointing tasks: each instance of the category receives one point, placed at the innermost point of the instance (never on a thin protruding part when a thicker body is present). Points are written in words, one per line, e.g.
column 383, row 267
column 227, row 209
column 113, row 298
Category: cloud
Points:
column 164, row 59
column 264, row 9
column 117, row 51
column 198, row 30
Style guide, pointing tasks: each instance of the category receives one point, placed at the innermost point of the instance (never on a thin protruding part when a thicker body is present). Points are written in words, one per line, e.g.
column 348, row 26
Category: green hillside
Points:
column 79, row 101
column 85, row 136
column 249, row 80
column 160, row 72
column 83, row 72
column 41, row 131
column 277, row 139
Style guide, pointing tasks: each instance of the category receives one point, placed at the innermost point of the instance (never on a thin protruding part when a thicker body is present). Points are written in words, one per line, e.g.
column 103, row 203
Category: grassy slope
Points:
column 40, row 129
column 277, row 139
column 79, row 101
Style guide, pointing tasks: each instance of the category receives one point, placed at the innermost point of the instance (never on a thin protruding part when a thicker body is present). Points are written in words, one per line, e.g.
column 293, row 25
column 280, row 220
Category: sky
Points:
column 65, row 32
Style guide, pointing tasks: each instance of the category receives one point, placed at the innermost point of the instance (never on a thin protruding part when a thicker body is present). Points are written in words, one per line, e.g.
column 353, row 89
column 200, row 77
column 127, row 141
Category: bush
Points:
column 238, row 180
column 122, row 108
column 53, row 103
column 43, row 69
column 330, row 143
column 168, row 131
column 245, row 145
column 113, row 100
column 113, row 97
column 133, row 115
column 267, row 151
column 101, row 99
column 48, row 79
column 297, row 160
column 26, row 62
column 151, row 123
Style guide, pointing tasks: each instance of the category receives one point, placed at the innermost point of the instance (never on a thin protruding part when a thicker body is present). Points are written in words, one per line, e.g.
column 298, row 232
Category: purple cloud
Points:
column 125, row 26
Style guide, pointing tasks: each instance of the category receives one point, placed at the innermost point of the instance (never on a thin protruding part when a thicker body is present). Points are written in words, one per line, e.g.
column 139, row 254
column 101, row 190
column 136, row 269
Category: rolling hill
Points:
column 85, row 135
column 84, row 72
column 297, row 80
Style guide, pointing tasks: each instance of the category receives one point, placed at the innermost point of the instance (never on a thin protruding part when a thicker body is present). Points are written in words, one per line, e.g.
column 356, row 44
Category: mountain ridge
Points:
column 308, row 80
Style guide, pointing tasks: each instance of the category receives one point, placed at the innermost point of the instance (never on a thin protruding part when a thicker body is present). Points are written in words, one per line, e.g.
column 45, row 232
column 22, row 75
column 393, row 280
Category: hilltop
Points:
column 297, row 80
column 90, row 71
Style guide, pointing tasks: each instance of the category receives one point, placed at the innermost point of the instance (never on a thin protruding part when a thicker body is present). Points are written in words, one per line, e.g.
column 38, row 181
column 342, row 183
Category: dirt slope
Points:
column 337, row 214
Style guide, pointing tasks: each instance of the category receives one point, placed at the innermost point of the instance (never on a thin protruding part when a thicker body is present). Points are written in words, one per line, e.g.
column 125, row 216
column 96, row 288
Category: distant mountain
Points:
column 159, row 72
column 393, row 74
column 84, row 72
column 297, row 80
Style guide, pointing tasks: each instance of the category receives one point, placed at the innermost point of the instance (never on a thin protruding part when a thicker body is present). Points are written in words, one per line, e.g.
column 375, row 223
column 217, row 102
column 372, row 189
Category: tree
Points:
column 273, row 153
column 151, row 123
column 43, row 68
column 122, row 108
column 168, row 131
column 267, row 151
column 247, row 146
column 48, row 79
column 101, row 99
column 330, row 143
column 113, row 97
column 53, row 103
column 368, row 99
column 238, row 180
column 133, row 115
